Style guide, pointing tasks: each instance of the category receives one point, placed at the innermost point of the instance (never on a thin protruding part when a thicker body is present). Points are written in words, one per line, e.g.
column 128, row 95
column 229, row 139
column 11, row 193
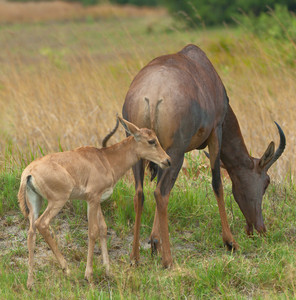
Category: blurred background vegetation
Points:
column 258, row 16
column 210, row 12
column 62, row 61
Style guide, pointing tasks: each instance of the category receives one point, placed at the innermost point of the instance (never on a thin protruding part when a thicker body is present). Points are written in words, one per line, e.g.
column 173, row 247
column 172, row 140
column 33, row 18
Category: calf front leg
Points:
column 103, row 240
column 93, row 233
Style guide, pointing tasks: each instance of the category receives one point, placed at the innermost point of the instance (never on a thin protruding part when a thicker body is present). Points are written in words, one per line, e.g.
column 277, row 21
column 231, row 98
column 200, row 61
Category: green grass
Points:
column 9, row 183
column 67, row 67
column 263, row 268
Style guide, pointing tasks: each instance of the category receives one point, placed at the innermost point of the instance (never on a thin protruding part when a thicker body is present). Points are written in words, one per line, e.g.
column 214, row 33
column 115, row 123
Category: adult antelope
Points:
column 182, row 98
column 85, row 173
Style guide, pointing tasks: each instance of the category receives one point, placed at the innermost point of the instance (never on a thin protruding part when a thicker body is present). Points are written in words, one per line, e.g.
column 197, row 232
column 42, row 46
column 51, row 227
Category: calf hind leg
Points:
column 42, row 224
column 34, row 203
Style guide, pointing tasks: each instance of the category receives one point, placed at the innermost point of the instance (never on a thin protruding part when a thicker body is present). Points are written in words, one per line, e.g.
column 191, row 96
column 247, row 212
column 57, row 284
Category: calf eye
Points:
column 152, row 142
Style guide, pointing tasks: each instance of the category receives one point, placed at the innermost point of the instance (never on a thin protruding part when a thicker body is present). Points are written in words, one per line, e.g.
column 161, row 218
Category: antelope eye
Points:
column 152, row 142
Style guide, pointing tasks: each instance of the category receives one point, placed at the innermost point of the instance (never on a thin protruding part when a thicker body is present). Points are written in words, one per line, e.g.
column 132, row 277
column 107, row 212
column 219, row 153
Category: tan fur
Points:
column 86, row 173
column 21, row 198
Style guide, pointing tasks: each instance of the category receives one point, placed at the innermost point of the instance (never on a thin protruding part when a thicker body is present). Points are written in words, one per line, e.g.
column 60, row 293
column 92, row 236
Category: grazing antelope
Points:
column 85, row 173
column 182, row 98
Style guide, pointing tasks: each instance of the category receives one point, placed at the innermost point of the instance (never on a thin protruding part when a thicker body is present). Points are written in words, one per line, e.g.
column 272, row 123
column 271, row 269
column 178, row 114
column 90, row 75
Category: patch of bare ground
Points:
column 72, row 241
column 13, row 12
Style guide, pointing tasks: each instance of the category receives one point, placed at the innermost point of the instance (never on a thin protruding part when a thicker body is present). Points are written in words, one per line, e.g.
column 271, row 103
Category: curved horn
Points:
column 280, row 149
column 108, row 136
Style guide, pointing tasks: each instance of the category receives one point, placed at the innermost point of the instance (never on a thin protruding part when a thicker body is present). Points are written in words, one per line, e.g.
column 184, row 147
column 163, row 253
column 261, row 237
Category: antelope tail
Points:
column 22, row 197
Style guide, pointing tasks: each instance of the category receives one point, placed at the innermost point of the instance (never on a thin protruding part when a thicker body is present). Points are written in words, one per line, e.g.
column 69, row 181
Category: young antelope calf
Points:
column 85, row 173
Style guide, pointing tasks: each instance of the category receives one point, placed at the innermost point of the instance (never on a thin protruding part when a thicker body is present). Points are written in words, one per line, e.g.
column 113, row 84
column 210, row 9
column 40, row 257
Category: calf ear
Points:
column 208, row 156
column 267, row 156
column 129, row 127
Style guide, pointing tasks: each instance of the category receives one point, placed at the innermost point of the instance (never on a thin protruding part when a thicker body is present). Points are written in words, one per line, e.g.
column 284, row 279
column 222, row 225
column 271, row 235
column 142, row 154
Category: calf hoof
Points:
column 67, row 271
column 88, row 277
column 134, row 263
column 107, row 271
column 30, row 284
column 134, row 259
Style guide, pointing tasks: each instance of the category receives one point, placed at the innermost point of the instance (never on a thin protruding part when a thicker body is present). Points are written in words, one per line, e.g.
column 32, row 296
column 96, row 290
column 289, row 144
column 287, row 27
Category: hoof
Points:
column 67, row 272
column 154, row 246
column 88, row 277
column 249, row 230
column 134, row 258
column 231, row 246
column 107, row 271
column 29, row 285
column 134, row 262
column 167, row 265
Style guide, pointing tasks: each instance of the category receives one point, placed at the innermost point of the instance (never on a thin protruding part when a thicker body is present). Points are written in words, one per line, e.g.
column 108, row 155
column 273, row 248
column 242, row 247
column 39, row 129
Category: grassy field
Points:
column 61, row 85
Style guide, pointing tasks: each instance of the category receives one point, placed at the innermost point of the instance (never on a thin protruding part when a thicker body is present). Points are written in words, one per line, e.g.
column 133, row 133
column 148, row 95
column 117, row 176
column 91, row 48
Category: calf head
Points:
column 147, row 144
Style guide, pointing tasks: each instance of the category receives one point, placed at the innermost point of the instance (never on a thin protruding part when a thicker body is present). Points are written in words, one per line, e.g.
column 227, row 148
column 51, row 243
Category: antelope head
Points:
column 250, row 181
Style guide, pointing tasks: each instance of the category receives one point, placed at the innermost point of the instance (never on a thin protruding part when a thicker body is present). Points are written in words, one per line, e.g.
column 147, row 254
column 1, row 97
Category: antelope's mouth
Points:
column 261, row 229
column 165, row 164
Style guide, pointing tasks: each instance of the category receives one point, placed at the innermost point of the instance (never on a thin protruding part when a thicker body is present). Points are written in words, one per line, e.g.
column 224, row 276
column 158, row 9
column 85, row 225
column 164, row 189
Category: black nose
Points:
column 168, row 162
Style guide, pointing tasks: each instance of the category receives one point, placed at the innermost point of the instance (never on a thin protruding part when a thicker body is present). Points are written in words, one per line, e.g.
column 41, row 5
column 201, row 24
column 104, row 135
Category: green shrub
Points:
column 137, row 2
column 215, row 12
column 277, row 24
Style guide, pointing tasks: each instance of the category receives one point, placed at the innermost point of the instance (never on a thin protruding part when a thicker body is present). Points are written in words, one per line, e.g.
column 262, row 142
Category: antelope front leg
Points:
column 214, row 149
column 162, row 204
column 166, row 180
column 138, row 171
column 155, row 235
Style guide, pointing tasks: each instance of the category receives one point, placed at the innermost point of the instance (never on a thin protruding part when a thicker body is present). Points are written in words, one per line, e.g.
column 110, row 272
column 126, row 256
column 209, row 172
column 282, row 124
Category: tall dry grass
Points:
column 16, row 12
column 260, row 80
column 61, row 84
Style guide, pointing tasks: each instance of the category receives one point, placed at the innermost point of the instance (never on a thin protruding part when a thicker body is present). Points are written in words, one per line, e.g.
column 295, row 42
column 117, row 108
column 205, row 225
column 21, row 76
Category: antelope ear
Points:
column 221, row 163
column 129, row 127
column 267, row 156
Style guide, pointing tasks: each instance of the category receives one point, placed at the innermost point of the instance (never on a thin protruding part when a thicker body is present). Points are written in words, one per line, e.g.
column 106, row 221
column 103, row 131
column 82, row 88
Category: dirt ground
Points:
column 13, row 239
column 13, row 235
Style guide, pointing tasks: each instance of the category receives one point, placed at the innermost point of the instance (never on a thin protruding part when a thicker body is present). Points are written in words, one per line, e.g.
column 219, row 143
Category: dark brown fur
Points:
column 183, row 99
